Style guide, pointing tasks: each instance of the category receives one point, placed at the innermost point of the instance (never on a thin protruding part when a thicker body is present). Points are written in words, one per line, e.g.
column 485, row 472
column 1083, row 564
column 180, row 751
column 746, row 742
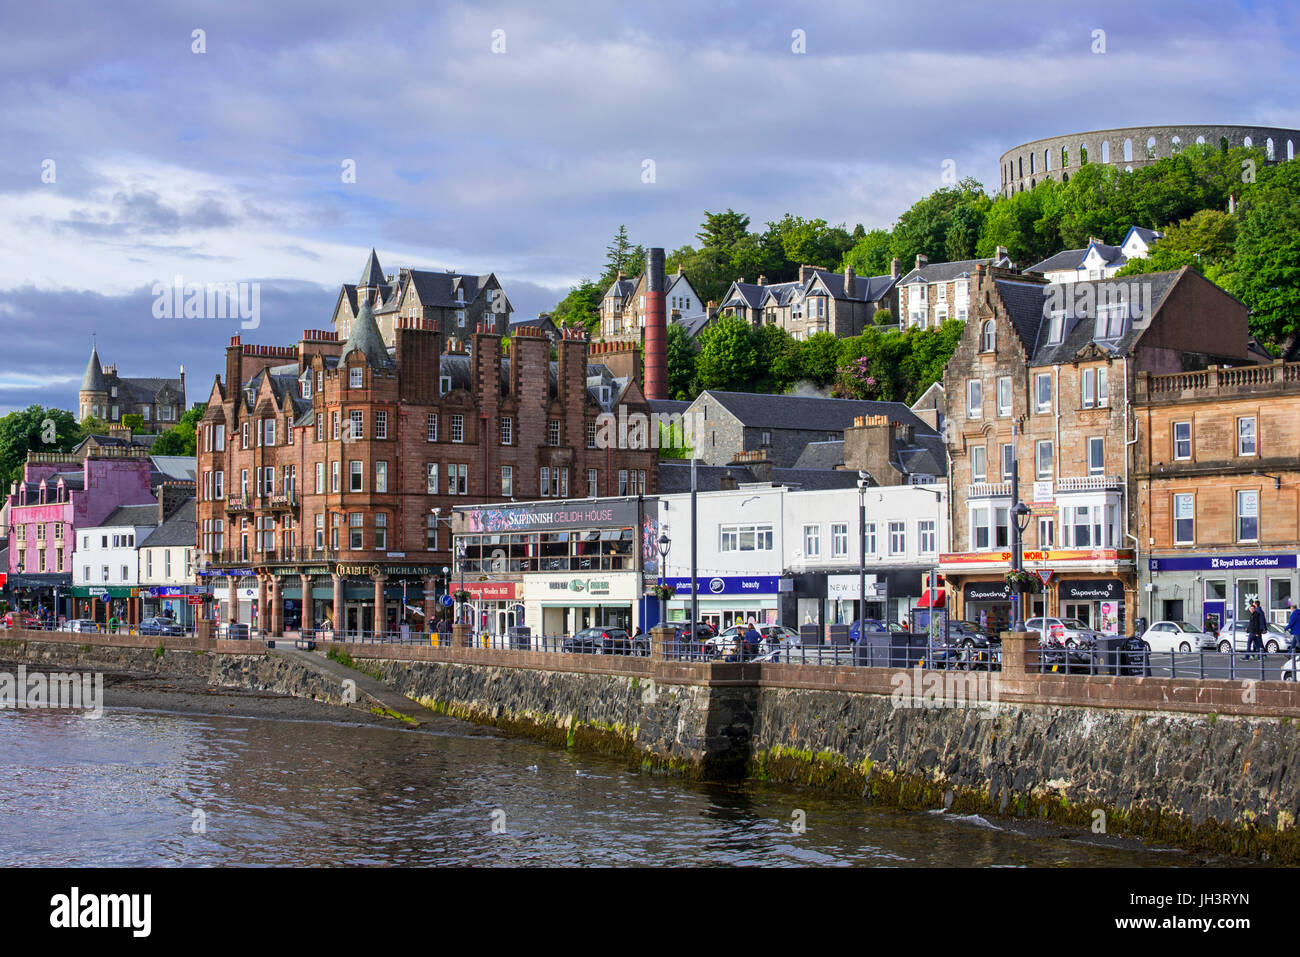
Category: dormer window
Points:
column 444, row 384
column 304, row 386
column 1056, row 326
column 987, row 336
column 355, row 377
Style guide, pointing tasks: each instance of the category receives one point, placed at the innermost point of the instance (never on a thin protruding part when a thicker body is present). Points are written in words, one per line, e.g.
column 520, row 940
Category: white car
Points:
column 1177, row 636
column 80, row 625
column 773, row 638
column 1064, row 631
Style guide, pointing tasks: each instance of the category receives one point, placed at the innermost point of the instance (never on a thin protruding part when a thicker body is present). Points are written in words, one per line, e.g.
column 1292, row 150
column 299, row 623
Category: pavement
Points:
column 365, row 684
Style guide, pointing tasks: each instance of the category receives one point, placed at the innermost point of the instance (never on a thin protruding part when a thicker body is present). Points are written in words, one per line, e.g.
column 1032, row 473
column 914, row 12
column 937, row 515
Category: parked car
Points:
column 1177, row 636
column 1275, row 639
column 1070, row 632
column 875, row 626
column 21, row 619
column 80, row 625
column 600, row 641
column 967, row 634
column 160, row 626
column 703, row 631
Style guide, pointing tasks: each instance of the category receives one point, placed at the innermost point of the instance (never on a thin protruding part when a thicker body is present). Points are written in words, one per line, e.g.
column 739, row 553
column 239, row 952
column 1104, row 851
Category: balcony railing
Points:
column 248, row 503
column 1214, row 381
column 1090, row 483
column 990, row 490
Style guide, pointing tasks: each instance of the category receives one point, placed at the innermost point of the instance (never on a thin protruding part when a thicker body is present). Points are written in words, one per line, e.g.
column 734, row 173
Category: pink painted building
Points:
column 58, row 495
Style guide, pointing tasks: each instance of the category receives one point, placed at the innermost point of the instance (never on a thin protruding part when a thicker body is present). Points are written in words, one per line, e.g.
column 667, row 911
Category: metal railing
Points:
column 1234, row 665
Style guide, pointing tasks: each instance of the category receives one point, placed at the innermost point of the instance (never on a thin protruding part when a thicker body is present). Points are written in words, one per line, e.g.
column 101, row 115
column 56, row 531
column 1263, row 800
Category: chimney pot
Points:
column 922, row 260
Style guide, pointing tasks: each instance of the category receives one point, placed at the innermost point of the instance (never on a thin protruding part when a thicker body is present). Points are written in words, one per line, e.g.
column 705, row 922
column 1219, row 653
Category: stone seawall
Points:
column 249, row 672
column 1205, row 781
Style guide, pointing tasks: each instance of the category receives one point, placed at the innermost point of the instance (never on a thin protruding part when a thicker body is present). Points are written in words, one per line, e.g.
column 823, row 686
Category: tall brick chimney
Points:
column 896, row 268
column 850, row 282
column 870, row 445
column 922, row 260
column 656, row 326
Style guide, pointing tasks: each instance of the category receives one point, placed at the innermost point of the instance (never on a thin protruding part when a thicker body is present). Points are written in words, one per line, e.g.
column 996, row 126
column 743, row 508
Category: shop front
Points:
column 829, row 598
column 1213, row 590
column 564, row 604
column 103, row 604
column 727, row 600
column 40, row 593
column 495, row 606
column 1096, row 602
column 172, row 602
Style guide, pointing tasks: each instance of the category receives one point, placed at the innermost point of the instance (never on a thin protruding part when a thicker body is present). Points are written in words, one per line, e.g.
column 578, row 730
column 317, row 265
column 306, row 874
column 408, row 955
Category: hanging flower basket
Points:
column 462, row 596
column 663, row 592
column 1022, row 582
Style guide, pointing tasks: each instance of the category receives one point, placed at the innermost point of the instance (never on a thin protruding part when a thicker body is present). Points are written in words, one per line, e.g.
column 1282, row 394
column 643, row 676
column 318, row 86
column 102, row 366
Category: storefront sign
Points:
column 491, row 591
column 1106, row 589
column 728, row 585
column 390, row 571
column 1055, row 556
column 987, row 591
column 1043, row 492
column 524, row 517
column 845, row 587
column 1224, row 562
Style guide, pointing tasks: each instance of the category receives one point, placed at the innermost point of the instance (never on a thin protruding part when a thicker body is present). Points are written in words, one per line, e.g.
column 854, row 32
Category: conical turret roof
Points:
column 93, row 380
column 372, row 275
column 365, row 338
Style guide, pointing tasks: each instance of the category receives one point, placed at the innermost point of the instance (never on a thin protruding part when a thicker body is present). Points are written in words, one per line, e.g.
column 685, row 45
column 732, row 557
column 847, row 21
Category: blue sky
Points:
column 227, row 165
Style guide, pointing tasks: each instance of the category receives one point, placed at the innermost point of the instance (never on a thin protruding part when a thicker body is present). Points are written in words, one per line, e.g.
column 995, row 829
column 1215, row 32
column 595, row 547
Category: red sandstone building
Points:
column 320, row 465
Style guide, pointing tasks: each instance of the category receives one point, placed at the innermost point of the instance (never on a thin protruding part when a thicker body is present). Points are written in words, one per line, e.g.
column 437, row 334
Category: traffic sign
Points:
column 1045, row 574
column 195, row 599
column 448, row 601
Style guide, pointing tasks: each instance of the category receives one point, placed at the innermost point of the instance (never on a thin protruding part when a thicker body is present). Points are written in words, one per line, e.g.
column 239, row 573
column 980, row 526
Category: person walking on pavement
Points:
column 1293, row 625
column 1255, row 627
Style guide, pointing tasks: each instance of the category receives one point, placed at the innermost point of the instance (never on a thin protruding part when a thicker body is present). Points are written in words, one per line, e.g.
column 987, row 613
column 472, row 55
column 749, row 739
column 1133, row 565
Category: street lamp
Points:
column 664, row 543
column 461, row 553
column 446, row 581
column 1020, row 515
column 864, row 482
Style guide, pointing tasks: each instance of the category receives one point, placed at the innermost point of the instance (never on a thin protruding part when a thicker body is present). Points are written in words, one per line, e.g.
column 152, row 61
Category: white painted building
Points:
column 791, row 556
column 1097, row 260
column 107, row 554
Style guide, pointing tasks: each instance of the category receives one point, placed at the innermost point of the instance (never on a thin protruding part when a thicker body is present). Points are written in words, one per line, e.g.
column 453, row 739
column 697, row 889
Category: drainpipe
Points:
column 1129, row 443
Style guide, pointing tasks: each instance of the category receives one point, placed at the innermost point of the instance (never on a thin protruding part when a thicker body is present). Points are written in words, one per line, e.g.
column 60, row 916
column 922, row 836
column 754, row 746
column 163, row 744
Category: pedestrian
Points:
column 1255, row 628
column 1293, row 625
column 752, row 639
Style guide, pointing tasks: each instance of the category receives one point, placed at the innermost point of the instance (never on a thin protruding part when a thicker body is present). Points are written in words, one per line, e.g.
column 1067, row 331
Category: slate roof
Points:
column 1028, row 304
column 758, row 410
column 869, row 288
column 943, row 272
column 675, row 476
column 131, row 516
column 694, row 325
column 364, row 337
column 621, row 288
column 668, row 406
column 371, row 274
column 439, row 288
column 821, row 455
column 93, row 380
column 1070, row 259
column 180, row 529
column 178, row 467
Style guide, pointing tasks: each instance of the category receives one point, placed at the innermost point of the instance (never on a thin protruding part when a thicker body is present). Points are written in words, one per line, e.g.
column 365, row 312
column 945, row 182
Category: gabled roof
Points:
column 131, row 516
column 944, row 272
column 621, row 288
column 1148, row 236
column 694, row 325
column 178, row 530
column 675, row 476
column 439, row 288
column 821, row 455
column 758, row 410
column 181, row 467
column 1069, row 259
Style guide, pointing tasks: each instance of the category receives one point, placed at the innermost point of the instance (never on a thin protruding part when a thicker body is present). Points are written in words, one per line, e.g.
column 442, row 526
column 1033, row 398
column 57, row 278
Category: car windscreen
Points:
column 1075, row 624
column 1184, row 626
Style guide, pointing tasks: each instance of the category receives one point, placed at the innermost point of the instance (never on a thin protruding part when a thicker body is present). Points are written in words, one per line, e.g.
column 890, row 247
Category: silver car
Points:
column 1275, row 639
column 1064, row 631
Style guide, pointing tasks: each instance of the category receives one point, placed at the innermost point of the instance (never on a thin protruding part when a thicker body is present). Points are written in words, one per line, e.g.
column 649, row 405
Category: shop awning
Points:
column 932, row 598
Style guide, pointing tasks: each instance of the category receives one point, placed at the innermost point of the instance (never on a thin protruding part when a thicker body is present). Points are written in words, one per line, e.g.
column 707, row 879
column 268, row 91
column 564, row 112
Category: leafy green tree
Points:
column 924, row 228
column 581, row 307
column 34, row 429
column 723, row 230
column 870, row 255
column 775, row 373
column 728, row 356
column 133, row 421
column 182, row 438
column 883, row 317
column 681, row 352
column 1265, row 272
column 821, row 353
column 801, row 241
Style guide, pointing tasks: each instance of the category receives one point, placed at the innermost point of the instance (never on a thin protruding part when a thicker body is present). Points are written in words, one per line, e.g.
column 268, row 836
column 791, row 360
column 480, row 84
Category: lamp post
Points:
column 664, row 543
column 461, row 552
column 446, row 580
column 864, row 482
column 1020, row 521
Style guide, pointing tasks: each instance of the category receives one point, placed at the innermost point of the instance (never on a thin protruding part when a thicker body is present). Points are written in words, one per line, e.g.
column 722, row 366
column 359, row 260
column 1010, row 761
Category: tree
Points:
column 680, row 352
column 182, row 438
column 870, row 254
column 776, row 372
column 34, row 429
column 727, row 356
column 133, row 421
column 1265, row 272
column 821, row 353
column 581, row 307
column 924, row 228
column 723, row 230
column 800, row 241
column 621, row 254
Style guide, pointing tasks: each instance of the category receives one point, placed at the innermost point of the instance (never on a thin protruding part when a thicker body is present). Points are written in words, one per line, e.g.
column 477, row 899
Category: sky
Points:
column 281, row 142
